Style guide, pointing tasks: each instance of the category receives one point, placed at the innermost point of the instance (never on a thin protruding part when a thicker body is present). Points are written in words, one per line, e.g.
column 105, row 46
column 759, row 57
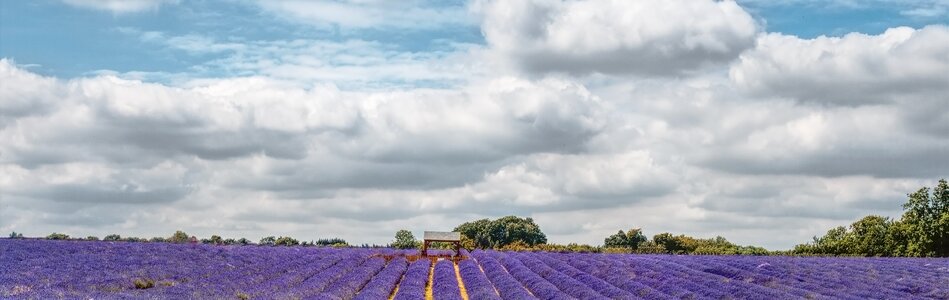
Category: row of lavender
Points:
column 40, row 269
column 63, row 269
column 586, row 276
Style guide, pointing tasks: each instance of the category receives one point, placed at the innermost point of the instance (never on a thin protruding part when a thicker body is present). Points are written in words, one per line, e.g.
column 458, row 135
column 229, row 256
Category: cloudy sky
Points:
column 766, row 122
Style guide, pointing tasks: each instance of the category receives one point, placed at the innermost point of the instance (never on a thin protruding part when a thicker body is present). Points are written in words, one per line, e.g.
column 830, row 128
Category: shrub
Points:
column 230, row 242
column 179, row 237
column 57, row 236
column 92, row 238
column 16, row 235
column 268, row 241
column 244, row 241
column 330, row 242
column 112, row 238
column 286, row 241
column 157, row 239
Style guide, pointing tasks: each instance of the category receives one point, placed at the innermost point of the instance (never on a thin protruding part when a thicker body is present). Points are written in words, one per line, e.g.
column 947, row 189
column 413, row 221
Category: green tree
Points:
column 404, row 240
column 268, row 241
column 617, row 240
column 286, row 241
column 630, row 239
column 667, row 241
column 112, row 238
column 868, row 236
column 501, row 232
column 16, row 235
column 179, row 237
column 217, row 240
column 634, row 238
column 57, row 236
column 476, row 234
column 927, row 218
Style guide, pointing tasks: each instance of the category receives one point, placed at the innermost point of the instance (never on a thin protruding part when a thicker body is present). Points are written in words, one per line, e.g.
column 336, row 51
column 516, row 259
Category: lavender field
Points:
column 42, row 269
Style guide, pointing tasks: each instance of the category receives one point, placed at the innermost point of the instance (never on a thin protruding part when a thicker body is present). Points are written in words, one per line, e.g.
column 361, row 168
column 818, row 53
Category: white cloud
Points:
column 616, row 37
column 855, row 69
column 121, row 6
column 317, row 138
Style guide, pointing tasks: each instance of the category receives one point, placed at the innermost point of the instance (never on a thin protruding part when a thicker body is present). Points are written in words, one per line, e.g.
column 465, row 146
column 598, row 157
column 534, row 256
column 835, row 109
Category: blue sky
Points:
column 766, row 122
column 67, row 41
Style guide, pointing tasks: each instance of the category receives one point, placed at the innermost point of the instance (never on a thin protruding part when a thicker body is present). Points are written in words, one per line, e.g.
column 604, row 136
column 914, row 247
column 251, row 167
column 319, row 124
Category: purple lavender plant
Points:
column 445, row 285
column 415, row 280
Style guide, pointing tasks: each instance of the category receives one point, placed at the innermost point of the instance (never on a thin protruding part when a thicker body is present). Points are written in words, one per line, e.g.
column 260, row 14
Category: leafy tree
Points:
column 927, row 218
column 112, row 238
column 179, row 237
column 230, row 241
column 243, row 241
column 923, row 230
column 57, row 236
column 330, row 242
column 667, row 241
column 404, row 240
column 630, row 239
column 16, row 235
column 617, row 240
column 476, row 234
column 217, row 240
column 501, row 232
column 268, row 241
column 868, row 236
column 286, row 241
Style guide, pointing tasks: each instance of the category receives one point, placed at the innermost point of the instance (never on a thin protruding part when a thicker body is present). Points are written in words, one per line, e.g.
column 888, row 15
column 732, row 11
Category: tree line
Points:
column 922, row 230
column 180, row 237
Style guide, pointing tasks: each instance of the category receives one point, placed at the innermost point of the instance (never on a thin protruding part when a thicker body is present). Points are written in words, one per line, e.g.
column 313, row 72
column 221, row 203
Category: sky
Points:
column 766, row 122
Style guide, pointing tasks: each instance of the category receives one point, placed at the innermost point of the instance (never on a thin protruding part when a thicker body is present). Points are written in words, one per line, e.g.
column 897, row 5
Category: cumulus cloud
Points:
column 120, row 6
column 616, row 37
column 851, row 70
column 356, row 138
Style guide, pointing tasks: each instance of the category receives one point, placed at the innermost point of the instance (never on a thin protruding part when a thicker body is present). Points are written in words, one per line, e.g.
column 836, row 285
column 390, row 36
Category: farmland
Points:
column 42, row 269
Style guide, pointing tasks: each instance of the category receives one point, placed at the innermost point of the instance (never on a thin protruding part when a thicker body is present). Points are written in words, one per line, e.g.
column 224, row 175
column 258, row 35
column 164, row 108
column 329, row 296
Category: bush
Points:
column 330, row 242
column 268, row 241
column 57, row 236
column 244, row 241
column 230, row 242
column 16, row 235
column 112, row 238
column 92, row 238
column 157, row 239
column 179, row 237
column 286, row 241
